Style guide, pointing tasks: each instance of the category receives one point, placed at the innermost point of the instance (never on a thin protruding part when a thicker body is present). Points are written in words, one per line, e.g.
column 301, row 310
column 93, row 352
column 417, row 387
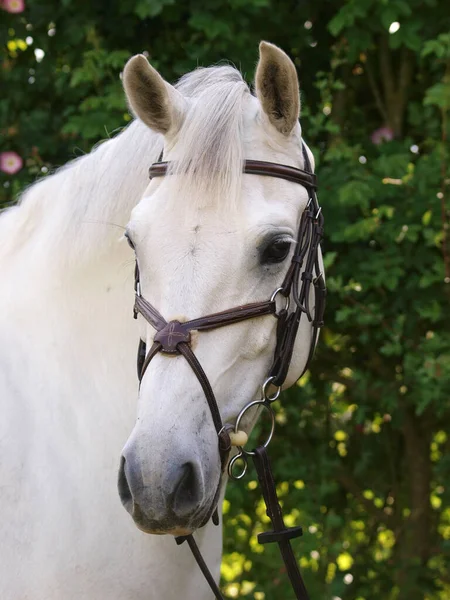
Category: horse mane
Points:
column 98, row 190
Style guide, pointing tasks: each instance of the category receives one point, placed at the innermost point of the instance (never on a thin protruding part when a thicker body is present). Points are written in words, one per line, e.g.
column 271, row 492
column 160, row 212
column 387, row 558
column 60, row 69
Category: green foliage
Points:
column 362, row 451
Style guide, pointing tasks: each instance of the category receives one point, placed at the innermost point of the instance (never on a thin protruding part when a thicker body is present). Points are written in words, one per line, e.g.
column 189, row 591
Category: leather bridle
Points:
column 174, row 337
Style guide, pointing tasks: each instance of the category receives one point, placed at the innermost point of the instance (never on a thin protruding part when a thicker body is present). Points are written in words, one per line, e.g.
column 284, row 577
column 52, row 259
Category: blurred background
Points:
column 362, row 448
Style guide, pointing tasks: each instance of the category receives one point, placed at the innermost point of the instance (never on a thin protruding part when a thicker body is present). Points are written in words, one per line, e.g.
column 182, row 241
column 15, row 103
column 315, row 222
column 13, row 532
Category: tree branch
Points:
column 406, row 71
column 376, row 91
column 417, row 436
column 387, row 72
column 396, row 83
column 445, row 223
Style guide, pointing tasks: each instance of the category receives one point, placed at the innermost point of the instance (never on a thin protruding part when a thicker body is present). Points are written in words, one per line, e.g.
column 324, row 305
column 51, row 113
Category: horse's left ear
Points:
column 277, row 88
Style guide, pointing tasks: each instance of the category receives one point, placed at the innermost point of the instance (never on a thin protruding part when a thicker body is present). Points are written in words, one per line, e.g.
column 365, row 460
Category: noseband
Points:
column 174, row 337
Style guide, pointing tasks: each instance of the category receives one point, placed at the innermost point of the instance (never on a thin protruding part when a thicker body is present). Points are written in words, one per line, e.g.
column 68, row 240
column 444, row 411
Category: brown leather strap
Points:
column 212, row 321
column 204, row 382
column 233, row 315
column 302, row 273
column 156, row 347
column 280, row 534
column 201, row 563
column 149, row 312
column 256, row 167
column 260, row 167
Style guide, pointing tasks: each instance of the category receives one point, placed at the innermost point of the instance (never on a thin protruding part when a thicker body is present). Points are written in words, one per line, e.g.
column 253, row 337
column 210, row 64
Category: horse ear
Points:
column 157, row 103
column 277, row 88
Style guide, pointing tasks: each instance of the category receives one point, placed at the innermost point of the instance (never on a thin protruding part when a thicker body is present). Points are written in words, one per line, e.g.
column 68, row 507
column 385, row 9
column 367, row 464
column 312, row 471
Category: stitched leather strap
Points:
column 256, row 167
column 149, row 312
column 233, row 315
column 204, row 382
column 212, row 321
column 173, row 338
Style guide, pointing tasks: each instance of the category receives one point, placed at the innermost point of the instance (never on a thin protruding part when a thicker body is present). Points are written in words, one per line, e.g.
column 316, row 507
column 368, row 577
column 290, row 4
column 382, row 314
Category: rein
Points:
column 174, row 337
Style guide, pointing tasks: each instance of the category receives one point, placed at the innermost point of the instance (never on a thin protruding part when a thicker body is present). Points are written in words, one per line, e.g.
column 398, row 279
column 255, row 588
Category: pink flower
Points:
column 10, row 162
column 13, row 6
column 383, row 134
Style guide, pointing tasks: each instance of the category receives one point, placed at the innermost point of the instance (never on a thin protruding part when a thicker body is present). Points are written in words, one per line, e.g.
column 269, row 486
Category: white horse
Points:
column 207, row 238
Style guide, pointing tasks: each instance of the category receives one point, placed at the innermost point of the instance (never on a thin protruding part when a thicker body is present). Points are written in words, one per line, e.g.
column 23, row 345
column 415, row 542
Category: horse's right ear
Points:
column 157, row 103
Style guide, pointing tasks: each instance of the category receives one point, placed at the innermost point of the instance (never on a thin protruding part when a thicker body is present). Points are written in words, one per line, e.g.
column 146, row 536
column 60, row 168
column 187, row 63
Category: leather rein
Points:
column 174, row 337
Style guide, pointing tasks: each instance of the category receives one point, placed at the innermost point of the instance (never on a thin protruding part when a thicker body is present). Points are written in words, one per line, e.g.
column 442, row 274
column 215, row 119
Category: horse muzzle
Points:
column 176, row 502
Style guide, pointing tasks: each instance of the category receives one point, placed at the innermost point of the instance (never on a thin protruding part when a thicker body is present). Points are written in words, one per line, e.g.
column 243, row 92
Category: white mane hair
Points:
column 77, row 209
column 210, row 140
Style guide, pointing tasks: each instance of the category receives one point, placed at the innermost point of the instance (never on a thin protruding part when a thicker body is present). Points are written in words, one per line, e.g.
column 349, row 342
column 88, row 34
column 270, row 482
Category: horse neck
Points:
column 78, row 213
column 62, row 243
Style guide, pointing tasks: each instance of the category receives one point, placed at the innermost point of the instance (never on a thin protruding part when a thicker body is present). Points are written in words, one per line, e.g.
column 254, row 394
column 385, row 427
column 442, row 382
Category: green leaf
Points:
column 431, row 311
column 356, row 193
column 440, row 46
column 150, row 8
column 438, row 95
column 426, row 218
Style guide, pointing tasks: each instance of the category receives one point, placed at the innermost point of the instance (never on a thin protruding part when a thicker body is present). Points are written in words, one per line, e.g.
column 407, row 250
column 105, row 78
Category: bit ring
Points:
column 265, row 405
column 239, row 456
column 275, row 395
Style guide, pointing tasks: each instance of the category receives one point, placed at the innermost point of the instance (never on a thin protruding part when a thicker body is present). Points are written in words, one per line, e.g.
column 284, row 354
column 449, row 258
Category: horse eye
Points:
column 276, row 251
column 130, row 243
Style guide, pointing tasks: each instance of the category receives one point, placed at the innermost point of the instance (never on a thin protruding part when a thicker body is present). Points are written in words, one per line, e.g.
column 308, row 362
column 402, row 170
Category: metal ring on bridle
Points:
column 239, row 456
column 287, row 298
column 265, row 405
column 265, row 395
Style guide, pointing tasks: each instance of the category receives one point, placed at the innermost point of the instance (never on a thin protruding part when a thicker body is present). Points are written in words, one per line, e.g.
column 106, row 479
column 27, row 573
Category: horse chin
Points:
column 176, row 531
column 169, row 525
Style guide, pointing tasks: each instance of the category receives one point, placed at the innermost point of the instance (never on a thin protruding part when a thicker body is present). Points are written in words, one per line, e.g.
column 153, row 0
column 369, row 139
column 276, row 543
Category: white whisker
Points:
column 109, row 223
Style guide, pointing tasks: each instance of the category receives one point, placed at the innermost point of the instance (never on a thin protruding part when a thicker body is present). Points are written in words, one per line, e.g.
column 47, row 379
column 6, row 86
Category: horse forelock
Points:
column 210, row 143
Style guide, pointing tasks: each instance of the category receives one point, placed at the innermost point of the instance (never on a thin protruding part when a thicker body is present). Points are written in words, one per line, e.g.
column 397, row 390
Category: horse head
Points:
column 207, row 237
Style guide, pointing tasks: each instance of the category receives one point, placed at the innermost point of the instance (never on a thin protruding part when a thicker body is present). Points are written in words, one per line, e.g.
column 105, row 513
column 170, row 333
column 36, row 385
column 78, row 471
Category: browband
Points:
column 256, row 167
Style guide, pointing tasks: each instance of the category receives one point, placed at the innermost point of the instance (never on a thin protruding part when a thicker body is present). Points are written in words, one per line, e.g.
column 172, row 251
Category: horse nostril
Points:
column 187, row 494
column 186, row 485
column 123, row 486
